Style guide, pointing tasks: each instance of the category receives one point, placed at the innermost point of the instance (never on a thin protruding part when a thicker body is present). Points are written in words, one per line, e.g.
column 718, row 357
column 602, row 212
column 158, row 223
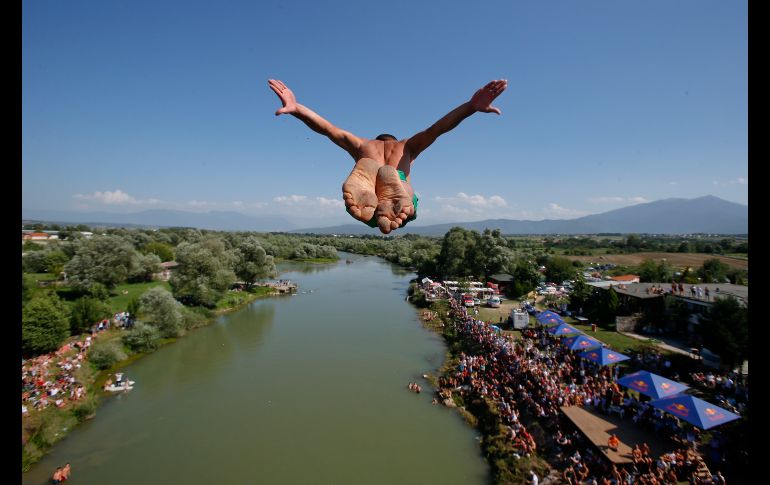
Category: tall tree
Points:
column 44, row 325
column 713, row 271
column 525, row 279
column 157, row 307
column 580, row 293
column 654, row 272
column 558, row 269
column 607, row 308
column 724, row 329
column 85, row 312
column 204, row 273
column 252, row 262
column 458, row 244
column 104, row 259
column 163, row 250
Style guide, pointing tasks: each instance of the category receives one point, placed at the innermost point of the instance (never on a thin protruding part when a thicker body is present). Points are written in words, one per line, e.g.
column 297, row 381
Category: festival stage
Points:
column 597, row 428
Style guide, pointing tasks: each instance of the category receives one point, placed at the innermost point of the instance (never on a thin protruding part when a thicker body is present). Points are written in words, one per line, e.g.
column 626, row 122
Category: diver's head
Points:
column 386, row 137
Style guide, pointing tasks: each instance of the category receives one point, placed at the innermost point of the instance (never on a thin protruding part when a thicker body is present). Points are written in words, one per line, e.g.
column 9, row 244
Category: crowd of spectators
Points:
column 536, row 375
column 49, row 379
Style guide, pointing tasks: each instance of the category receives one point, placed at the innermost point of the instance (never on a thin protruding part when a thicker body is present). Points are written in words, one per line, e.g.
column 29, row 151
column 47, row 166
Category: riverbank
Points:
column 42, row 429
column 506, row 465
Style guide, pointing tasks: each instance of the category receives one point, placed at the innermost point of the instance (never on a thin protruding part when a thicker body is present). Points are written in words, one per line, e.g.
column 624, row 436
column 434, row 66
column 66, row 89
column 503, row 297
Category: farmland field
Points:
column 679, row 260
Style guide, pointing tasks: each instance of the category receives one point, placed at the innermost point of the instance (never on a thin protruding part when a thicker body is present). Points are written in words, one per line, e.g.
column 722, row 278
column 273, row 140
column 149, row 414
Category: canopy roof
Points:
column 603, row 356
column 546, row 314
column 563, row 329
column 651, row 384
column 581, row 342
column 695, row 411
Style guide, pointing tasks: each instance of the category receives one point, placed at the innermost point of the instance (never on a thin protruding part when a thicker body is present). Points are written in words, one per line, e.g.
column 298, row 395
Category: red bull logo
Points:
column 585, row 343
column 640, row 385
column 593, row 355
column 678, row 409
column 612, row 356
column 713, row 414
column 665, row 386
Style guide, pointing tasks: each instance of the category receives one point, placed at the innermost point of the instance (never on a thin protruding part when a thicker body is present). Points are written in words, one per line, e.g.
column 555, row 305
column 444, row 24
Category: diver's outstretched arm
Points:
column 480, row 101
column 344, row 139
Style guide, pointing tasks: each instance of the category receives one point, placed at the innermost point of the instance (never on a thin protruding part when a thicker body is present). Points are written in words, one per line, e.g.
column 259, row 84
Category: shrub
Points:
column 105, row 355
column 193, row 319
column 85, row 410
column 142, row 337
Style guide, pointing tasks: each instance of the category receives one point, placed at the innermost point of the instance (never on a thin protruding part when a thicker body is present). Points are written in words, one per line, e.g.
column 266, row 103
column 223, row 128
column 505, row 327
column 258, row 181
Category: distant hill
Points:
column 708, row 214
column 214, row 220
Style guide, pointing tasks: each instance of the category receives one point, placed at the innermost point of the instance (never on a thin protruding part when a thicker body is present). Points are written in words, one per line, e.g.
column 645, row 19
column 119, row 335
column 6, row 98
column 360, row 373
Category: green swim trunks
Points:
column 373, row 221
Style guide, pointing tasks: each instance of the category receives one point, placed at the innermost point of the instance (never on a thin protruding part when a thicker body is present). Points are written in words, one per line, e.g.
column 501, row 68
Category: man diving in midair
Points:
column 377, row 192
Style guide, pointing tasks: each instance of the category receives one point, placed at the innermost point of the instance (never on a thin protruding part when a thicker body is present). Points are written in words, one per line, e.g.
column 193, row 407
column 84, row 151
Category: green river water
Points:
column 304, row 389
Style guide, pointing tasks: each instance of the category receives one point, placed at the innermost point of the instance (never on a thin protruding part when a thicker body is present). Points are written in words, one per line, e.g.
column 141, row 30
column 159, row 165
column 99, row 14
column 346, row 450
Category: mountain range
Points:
column 708, row 214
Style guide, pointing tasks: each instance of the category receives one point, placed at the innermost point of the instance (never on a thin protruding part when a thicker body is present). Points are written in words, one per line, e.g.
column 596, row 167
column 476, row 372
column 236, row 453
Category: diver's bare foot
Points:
column 395, row 204
column 358, row 190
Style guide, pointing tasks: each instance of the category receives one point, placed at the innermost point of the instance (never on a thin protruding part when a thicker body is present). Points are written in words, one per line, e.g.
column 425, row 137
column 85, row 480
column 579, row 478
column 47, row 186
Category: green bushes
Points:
column 44, row 325
column 85, row 410
column 142, row 338
column 105, row 355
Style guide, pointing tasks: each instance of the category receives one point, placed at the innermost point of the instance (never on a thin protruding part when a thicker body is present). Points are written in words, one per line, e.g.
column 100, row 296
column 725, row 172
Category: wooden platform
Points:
column 285, row 287
column 597, row 428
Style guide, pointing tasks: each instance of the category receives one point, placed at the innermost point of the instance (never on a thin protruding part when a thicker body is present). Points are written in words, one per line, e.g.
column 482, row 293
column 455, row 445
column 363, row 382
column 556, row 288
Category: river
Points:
column 304, row 389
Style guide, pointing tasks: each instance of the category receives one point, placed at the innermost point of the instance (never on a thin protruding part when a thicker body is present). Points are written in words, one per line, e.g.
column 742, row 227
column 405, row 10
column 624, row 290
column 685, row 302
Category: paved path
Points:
column 678, row 348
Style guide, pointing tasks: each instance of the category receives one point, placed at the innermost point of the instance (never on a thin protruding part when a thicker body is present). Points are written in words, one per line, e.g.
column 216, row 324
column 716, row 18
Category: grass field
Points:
column 125, row 292
column 678, row 260
column 616, row 341
column 493, row 314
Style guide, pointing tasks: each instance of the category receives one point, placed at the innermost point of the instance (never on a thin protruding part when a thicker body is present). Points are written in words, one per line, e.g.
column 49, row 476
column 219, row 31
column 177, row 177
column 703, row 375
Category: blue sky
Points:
column 141, row 105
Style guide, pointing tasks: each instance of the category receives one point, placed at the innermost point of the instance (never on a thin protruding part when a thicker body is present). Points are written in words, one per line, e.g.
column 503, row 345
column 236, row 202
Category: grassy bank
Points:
column 42, row 429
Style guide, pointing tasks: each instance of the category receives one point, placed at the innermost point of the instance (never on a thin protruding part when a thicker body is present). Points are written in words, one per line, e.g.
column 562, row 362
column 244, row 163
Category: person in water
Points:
column 378, row 191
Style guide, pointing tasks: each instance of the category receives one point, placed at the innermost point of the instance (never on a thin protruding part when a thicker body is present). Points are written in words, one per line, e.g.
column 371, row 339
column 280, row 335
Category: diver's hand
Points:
column 285, row 94
column 482, row 99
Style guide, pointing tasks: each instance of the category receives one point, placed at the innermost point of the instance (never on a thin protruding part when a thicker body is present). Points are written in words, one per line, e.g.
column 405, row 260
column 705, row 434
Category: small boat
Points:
column 125, row 386
column 120, row 384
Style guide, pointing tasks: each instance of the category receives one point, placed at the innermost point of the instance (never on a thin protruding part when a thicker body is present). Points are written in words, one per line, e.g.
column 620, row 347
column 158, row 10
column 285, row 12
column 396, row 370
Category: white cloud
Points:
column 557, row 211
column 605, row 200
column 198, row 204
column 618, row 200
column 290, row 199
column 118, row 197
column 475, row 201
column 305, row 201
column 323, row 201
column 735, row 181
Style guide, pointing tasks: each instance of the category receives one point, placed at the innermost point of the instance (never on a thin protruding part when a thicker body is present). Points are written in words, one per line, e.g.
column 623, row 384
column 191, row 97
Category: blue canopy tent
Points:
column 545, row 315
column 581, row 342
column 695, row 411
column 604, row 356
column 651, row 384
column 551, row 321
column 563, row 329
